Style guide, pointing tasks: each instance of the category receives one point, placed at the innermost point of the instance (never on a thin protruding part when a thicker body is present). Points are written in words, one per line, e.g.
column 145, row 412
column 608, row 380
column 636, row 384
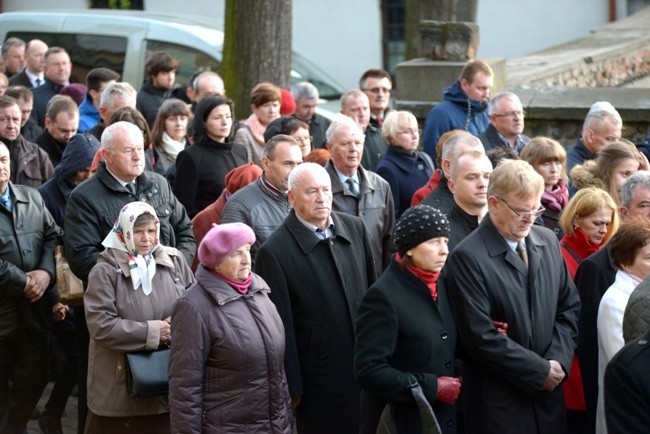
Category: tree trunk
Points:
column 436, row 10
column 257, row 47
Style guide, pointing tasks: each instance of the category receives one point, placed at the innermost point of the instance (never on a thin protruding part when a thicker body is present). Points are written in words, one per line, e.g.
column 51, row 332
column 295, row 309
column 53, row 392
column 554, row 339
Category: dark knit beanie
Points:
column 419, row 224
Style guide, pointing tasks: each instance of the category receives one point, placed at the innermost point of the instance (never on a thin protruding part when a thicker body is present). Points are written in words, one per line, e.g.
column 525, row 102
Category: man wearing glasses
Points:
column 463, row 107
column 377, row 84
column 511, row 271
column 506, row 123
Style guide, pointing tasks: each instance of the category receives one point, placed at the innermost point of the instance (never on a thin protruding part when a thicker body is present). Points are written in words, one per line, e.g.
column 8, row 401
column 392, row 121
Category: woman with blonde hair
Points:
column 588, row 221
column 405, row 169
column 548, row 158
column 614, row 164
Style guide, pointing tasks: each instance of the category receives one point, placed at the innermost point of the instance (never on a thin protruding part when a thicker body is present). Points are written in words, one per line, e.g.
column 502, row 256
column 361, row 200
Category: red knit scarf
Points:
column 428, row 277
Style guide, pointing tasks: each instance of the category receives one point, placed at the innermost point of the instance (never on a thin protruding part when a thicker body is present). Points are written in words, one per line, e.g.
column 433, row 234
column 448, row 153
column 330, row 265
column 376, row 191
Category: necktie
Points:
column 352, row 186
column 38, row 82
column 6, row 202
column 521, row 251
column 131, row 188
column 380, row 120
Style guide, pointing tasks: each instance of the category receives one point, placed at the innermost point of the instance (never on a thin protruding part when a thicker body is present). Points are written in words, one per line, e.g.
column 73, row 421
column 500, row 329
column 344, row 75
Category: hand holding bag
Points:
column 427, row 417
column 146, row 372
column 68, row 286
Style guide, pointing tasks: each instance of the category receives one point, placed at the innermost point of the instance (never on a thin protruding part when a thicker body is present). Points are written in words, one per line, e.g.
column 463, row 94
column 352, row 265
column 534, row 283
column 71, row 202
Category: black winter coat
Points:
column 401, row 330
column 201, row 171
column 503, row 374
column 593, row 278
column 28, row 236
column 317, row 286
column 94, row 206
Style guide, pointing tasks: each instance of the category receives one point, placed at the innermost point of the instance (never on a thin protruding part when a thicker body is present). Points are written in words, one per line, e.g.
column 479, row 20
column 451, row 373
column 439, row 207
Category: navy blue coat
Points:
column 78, row 155
column 405, row 175
column 455, row 112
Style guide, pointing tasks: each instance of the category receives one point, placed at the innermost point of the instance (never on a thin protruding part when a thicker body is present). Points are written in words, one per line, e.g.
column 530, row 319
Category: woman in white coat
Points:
column 630, row 252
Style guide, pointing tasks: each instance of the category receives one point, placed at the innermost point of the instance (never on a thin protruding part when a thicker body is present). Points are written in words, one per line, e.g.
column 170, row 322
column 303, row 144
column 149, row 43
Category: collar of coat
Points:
column 223, row 293
column 308, row 240
column 497, row 245
column 104, row 175
column 366, row 183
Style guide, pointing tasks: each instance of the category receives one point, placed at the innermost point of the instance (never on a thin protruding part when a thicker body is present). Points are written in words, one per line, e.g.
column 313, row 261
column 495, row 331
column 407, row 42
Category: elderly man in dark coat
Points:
column 319, row 264
column 510, row 271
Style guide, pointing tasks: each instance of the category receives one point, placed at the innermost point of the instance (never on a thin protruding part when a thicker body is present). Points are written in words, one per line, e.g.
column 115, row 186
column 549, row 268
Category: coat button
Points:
column 450, row 422
column 167, row 211
column 149, row 194
column 447, row 364
column 444, row 336
column 155, row 190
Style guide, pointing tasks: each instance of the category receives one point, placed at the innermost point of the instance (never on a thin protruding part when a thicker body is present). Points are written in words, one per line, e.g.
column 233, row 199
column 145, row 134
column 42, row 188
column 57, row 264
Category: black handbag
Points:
column 146, row 372
column 427, row 417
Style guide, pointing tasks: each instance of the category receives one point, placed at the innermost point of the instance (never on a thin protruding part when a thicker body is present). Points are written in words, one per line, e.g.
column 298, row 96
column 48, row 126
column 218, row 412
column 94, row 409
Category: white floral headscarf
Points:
column 142, row 268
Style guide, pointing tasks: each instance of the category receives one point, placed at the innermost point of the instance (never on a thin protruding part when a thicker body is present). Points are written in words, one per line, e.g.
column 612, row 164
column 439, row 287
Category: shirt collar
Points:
column 518, row 143
column 33, row 77
column 344, row 178
column 328, row 232
column 122, row 183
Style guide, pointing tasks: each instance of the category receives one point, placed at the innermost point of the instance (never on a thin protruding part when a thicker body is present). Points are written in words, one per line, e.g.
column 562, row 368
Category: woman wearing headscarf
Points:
column 405, row 329
column 128, row 305
column 226, row 370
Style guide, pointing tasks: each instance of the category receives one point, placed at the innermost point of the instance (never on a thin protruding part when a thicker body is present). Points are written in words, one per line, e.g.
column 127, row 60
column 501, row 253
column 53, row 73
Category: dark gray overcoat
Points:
column 503, row 374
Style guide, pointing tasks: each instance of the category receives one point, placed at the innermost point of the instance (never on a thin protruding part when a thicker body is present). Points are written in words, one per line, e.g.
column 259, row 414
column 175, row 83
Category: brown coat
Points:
column 123, row 320
column 226, row 374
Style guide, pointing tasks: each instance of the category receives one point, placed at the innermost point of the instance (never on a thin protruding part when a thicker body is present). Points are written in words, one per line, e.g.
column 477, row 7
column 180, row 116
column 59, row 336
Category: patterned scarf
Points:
column 142, row 268
column 257, row 129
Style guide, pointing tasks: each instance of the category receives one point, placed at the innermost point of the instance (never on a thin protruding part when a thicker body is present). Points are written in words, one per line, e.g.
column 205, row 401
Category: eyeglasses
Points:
column 411, row 131
column 524, row 215
column 377, row 90
column 513, row 114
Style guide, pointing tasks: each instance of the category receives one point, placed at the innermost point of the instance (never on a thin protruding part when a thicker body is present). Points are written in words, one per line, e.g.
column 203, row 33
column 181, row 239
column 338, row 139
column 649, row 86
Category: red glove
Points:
column 448, row 389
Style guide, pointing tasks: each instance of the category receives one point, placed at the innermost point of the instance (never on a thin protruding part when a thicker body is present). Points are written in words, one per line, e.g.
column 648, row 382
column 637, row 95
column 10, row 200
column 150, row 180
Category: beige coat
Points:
column 123, row 320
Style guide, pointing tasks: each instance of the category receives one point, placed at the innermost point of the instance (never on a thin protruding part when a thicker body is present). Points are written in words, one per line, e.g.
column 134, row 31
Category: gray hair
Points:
column 495, row 103
column 642, row 177
column 351, row 93
column 112, row 132
column 269, row 148
column 596, row 119
column 296, row 174
column 460, row 143
column 304, row 90
column 11, row 42
column 339, row 121
column 117, row 90
column 204, row 74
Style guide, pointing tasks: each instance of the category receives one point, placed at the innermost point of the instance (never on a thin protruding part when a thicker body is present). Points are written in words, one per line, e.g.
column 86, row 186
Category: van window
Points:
column 86, row 51
column 189, row 59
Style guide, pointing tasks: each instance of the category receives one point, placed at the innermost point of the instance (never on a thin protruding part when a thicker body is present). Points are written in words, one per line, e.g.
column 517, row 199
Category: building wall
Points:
column 515, row 28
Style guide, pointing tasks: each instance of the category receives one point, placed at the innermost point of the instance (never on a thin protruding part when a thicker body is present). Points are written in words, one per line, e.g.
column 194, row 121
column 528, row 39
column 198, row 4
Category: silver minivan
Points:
column 120, row 40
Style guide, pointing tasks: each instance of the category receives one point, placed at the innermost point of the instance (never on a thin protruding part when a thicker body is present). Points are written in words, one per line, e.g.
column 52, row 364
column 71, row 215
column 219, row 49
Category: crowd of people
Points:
column 316, row 275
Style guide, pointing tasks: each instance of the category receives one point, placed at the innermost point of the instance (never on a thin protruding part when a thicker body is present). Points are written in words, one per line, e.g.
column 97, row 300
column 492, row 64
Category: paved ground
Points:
column 69, row 420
